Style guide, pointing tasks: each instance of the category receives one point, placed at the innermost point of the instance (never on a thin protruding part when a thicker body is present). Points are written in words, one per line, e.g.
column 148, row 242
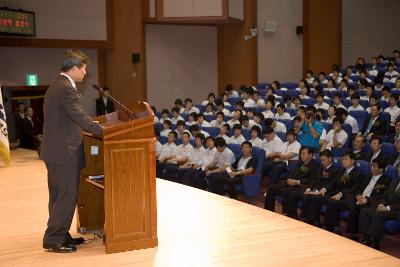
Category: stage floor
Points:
column 195, row 228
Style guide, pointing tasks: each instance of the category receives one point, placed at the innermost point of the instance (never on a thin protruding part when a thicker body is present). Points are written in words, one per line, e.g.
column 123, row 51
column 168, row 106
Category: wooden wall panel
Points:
column 237, row 58
column 322, row 43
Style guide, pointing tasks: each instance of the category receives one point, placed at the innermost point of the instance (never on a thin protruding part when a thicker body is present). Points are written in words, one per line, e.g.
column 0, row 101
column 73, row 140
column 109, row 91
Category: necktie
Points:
column 371, row 122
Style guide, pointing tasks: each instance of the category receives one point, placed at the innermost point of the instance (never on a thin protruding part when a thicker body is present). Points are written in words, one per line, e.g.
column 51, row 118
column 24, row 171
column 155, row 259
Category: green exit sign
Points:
column 32, row 80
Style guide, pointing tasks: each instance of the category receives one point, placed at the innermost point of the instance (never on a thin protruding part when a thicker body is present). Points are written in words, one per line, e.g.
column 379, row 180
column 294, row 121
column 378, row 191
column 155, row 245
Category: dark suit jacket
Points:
column 329, row 181
column 391, row 138
column 378, row 128
column 381, row 157
column 101, row 108
column 378, row 190
column 351, row 185
column 390, row 197
column 306, row 173
column 363, row 155
column 393, row 158
column 64, row 120
column 18, row 126
column 28, row 134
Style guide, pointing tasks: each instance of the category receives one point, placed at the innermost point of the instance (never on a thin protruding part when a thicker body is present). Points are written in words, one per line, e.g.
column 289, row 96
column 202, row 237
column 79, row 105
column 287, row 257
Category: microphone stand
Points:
column 127, row 111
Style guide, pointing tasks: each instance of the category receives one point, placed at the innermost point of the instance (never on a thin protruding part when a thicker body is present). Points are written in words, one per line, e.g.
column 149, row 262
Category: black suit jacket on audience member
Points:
column 28, row 134
column 101, row 108
column 381, row 157
column 393, row 158
column 390, row 197
column 378, row 128
column 363, row 155
column 329, row 183
column 381, row 185
column 350, row 187
column 306, row 173
column 18, row 126
column 391, row 138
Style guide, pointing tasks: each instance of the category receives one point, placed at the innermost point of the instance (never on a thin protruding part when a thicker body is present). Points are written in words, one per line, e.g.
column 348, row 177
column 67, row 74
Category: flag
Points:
column 4, row 144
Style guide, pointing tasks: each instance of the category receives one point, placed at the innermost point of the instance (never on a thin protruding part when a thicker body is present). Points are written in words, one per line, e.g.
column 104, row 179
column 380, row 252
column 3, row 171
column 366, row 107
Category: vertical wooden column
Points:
column 237, row 58
column 126, row 79
column 322, row 42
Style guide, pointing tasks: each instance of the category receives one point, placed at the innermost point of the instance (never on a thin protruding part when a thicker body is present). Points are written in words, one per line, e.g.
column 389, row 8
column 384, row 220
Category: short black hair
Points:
column 185, row 133
column 268, row 130
column 268, row 122
column 180, row 122
column 220, row 142
column 351, row 155
column 174, row 133
column 309, row 149
column 327, row 153
column 247, row 143
column 237, row 126
column 282, row 106
column 178, row 101
column 338, row 119
column 292, row 132
column 73, row 58
column 168, row 122
column 381, row 163
column 175, row 109
column 165, row 111
column 375, row 137
column 256, row 128
column 201, row 136
column 226, row 125
column 355, row 96
column 188, row 100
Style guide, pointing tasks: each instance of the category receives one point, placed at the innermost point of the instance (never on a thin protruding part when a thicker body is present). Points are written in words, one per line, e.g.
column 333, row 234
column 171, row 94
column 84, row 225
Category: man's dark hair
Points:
column 237, row 126
column 309, row 149
column 180, row 122
column 73, row 58
column 174, row 133
column 268, row 122
column 375, row 137
column 381, row 163
column 268, row 130
column 178, row 101
column 226, row 125
column 201, row 136
column 326, row 153
column 220, row 142
column 175, row 109
column 338, row 119
column 168, row 122
column 351, row 155
column 256, row 128
column 247, row 143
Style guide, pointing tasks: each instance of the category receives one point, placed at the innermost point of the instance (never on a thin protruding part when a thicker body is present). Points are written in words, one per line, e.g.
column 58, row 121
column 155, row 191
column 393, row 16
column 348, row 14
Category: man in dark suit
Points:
column 374, row 125
column 368, row 194
column 393, row 137
column 29, row 130
column 319, row 188
column 62, row 150
column 18, row 117
column 376, row 147
column 103, row 104
column 343, row 196
column 305, row 172
column 372, row 220
column 359, row 149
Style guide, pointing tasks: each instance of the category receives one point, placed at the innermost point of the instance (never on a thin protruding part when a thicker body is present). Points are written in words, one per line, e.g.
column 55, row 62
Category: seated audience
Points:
column 255, row 139
column 237, row 137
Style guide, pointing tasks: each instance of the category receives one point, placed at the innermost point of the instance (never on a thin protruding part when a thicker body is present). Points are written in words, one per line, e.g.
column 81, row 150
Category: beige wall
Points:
column 60, row 19
column 280, row 54
column 45, row 62
column 181, row 62
column 192, row 8
column 369, row 28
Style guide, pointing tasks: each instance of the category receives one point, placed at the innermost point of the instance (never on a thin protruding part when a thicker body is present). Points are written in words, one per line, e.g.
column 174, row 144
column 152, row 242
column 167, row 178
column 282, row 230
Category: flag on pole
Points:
column 4, row 144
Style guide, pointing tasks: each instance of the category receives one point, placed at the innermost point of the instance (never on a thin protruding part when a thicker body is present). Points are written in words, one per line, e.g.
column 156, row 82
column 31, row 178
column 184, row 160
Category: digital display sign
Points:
column 17, row 22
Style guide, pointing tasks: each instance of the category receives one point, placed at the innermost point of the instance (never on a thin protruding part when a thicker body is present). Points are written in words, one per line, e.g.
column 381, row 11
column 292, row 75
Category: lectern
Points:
column 123, row 205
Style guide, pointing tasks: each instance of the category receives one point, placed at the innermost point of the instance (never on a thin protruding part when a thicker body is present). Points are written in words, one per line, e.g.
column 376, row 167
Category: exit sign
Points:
column 32, row 80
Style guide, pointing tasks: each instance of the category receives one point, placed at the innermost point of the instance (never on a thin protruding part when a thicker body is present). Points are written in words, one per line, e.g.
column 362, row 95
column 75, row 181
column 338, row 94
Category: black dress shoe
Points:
column 354, row 237
column 60, row 248
column 73, row 241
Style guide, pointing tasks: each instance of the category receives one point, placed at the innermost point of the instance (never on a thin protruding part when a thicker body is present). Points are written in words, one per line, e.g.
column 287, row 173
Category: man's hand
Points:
column 322, row 191
column 382, row 208
column 336, row 197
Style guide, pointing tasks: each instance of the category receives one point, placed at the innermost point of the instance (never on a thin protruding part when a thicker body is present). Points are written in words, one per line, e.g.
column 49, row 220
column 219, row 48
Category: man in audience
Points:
column 195, row 176
column 277, row 162
column 181, row 157
column 223, row 131
column 103, row 104
column 175, row 115
column 393, row 109
column 393, row 137
column 181, row 128
column 245, row 165
column 219, row 120
column 336, row 137
column 237, row 137
column 247, row 100
column 245, row 122
column 192, row 119
column 376, row 147
column 374, row 125
column 271, row 143
column 201, row 121
column 166, row 128
column 359, row 149
column 168, row 151
column 372, row 220
column 189, row 108
column 344, row 193
column 235, row 118
column 255, row 139
column 369, row 193
column 278, row 126
column 164, row 115
column 306, row 171
column 210, row 100
column 179, row 104
column 319, row 98
column 355, row 103
column 313, row 196
column 337, row 101
column 260, row 103
column 311, row 130
column 195, row 129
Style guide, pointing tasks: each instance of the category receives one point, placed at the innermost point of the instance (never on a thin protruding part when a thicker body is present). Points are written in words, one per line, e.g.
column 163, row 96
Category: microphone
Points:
column 127, row 111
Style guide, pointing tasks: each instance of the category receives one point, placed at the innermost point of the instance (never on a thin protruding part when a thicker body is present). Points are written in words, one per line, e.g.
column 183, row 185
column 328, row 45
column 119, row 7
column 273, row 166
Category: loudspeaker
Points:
column 299, row 30
column 136, row 58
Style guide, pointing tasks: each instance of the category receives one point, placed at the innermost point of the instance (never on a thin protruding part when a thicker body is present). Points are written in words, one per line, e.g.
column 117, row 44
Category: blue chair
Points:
column 236, row 149
column 288, row 124
column 163, row 139
column 327, row 127
column 364, row 167
column 246, row 134
column 308, row 102
column 200, row 107
column 338, row 161
column 292, row 93
column 385, row 116
column 364, row 103
column 178, row 141
column 348, row 129
column 213, row 131
column 389, row 149
column 261, row 86
column 391, row 172
column 346, row 103
column 340, row 151
column 158, row 126
column 233, row 100
column 360, row 117
column 291, row 111
column 289, row 86
column 282, row 136
column 209, row 118
column 192, row 142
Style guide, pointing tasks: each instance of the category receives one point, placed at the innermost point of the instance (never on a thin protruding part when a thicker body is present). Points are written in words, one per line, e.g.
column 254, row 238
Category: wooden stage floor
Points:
column 195, row 228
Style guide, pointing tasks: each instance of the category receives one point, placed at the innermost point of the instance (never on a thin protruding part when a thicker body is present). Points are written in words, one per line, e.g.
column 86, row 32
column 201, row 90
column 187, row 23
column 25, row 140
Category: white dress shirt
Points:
column 275, row 145
column 341, row 138
column 237, row 140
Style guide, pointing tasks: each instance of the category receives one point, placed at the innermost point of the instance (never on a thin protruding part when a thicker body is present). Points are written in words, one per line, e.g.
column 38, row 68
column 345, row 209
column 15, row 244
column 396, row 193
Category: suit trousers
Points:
column 220, row 179
column 352, row 220
column 63, row 184
column 372, row 222
column 333, row 209
column 311, row 211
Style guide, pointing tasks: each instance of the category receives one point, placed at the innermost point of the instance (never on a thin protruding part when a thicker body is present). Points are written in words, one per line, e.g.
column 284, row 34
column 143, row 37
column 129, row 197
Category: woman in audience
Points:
column 221, row 108
column 209, row 110
column 260, row 103
column 255, row 139
column 164, row 115
column 192, row 119
column 385, row 94
column 280, row 113
column 267, row 113
column 258, row 119
column 237, row 137
column 288, row 101
column 331, row 114
column 223, row 131
column 175, row 115
column 336, row 137
column 297, row 102
column 230, row 91
column 166, row 128
column 224, row 99
column 355, row 103
column 309, row 76
column 210, row 100
column 219, row 120
column 201, row 121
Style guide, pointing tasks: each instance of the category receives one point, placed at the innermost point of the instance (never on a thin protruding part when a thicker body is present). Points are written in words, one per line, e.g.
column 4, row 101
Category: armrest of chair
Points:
column 251, row 184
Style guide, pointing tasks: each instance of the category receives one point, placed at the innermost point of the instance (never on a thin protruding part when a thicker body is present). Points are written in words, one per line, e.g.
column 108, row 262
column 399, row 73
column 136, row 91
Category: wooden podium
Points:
column 122, row 206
